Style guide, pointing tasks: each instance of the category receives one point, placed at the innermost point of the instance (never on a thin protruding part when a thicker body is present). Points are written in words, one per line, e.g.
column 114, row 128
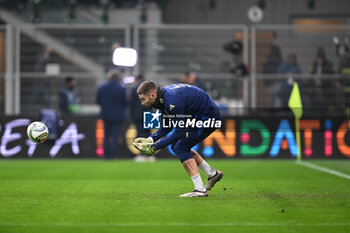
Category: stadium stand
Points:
column 167, row 51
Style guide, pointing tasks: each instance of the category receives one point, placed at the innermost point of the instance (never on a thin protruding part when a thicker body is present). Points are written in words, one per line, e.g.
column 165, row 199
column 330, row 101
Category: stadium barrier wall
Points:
column 239, row 137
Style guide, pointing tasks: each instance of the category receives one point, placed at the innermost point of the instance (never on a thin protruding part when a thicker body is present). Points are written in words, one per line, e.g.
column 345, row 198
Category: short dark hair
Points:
column 68, row 79
column 145, row 87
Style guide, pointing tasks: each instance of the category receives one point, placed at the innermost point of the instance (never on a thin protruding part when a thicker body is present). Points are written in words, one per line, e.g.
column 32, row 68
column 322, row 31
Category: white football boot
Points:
column 195, row 193
column 212, row 180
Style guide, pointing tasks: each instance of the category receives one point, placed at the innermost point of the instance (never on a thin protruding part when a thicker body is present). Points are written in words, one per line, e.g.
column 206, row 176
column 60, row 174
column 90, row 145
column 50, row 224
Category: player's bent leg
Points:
column 203, row 165
column 192, row 170
column 213, row 175
column 190, row 167
column 182, row 151
column 197, row 157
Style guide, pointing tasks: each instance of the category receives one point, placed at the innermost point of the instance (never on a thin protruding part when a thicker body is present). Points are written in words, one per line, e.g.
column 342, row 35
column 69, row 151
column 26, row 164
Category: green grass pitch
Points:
column 123, row 196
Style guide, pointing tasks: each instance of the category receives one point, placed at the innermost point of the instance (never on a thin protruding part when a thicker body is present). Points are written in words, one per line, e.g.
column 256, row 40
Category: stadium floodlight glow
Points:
column 124, row 57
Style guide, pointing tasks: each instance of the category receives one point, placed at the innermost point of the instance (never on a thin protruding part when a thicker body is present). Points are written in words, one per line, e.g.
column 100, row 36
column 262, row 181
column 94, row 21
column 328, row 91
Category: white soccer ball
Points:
column 37, row 132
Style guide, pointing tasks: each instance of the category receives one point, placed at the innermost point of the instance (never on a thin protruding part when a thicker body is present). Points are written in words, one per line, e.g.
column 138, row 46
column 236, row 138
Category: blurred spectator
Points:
column 343, row 52
column 40, row 88
column 326, row 92
column 321, row 64
column 191, row 78
column 273, row 60
column 184, row 77
column 290, row 66
column 270, row 66
column 111, row 96
column 43, row 59
column 68, row 100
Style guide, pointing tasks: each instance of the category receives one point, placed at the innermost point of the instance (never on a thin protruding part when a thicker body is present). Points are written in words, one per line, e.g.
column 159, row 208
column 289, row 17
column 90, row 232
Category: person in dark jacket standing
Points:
column 111, row 97
column 68, row 100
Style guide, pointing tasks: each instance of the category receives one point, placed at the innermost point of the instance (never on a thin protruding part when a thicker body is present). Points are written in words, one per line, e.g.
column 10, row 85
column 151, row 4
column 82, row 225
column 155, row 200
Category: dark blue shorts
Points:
column 194, row 136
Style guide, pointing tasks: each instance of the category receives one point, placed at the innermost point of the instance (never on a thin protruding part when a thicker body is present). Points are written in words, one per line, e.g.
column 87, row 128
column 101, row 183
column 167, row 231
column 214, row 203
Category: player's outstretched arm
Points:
column 174, row 136
column 160, row 133
column 178, row 110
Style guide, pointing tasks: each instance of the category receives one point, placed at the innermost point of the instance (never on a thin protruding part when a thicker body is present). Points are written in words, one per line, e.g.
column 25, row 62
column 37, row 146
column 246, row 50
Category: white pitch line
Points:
column 323, row 169
column 175, row 224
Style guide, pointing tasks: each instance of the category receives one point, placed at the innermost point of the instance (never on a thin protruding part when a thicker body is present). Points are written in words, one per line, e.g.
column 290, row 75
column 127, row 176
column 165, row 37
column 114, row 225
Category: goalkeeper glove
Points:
column 144, row 140
column 148, row 149
column 138, row 142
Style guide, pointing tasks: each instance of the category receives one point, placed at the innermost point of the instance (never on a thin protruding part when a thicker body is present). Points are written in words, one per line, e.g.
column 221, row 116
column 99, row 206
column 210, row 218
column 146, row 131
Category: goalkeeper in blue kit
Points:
column 191, row 116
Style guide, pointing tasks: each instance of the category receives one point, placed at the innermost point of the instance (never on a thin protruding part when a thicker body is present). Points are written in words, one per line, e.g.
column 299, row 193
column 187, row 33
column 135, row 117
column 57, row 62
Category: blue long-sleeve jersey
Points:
column 184, row 100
